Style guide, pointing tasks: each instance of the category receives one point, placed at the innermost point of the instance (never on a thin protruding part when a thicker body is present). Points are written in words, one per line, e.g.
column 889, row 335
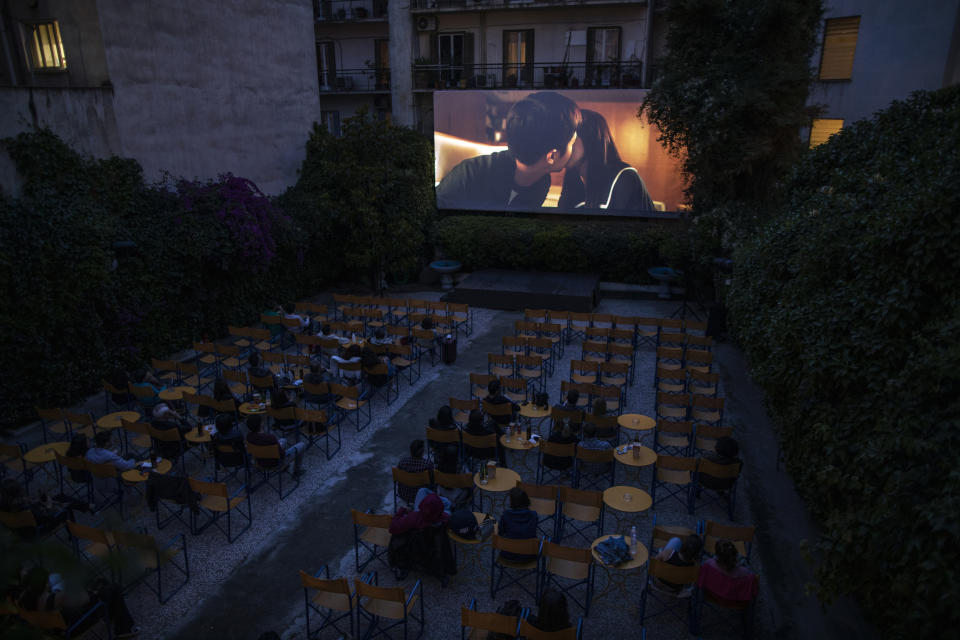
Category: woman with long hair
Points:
column 596, row 177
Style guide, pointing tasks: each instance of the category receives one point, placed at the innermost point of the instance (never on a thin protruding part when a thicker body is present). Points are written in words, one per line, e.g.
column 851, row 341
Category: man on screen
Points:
column 541, row 130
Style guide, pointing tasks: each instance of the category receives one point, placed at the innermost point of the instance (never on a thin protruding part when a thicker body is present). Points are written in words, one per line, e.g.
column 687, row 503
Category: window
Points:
column 450, row 56
column 822, row 129
column 839, row 45
column 518, row 58
column 45, row 46
column 326, row 66
column 330, row 120
column 603, row 55
column 381, row 62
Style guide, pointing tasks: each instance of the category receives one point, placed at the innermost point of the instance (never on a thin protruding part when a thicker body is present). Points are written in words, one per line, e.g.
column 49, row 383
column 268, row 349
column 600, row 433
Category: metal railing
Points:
column 426, row 5
column 344, row 80
column 349, row 10
column 544, row 75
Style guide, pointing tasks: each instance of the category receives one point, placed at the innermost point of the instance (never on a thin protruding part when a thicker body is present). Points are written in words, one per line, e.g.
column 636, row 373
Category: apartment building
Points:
column 392, row 57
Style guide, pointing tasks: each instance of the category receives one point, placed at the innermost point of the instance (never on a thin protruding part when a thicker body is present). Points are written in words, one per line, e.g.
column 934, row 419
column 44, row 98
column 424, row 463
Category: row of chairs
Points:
column 681, row 478
column 688, row 406
column 645, row 329
column 409, row 311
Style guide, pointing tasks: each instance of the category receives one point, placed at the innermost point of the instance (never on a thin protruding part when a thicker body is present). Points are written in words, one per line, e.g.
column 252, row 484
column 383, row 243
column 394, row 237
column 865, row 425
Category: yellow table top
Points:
column 634, row 563
column 250, row 409
column 175, row 393
column 627, row 499
column 528, row 410
column 112, row 420
column 135, row 475
column 636, row 422
column 518, row 443
column 205, row 435
column 647, row 457
column 46, row 452
column 506, row 479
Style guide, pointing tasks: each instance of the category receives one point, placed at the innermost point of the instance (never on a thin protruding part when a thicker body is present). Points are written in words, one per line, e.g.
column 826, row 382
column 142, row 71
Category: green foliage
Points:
column 206, row 255
column 729, row 96
column 848, row 304
column 372, row 190
column 617, row 251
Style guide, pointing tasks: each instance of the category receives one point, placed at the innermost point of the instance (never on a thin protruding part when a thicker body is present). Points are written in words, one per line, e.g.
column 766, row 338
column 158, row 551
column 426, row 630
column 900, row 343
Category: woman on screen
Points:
column 596, row 177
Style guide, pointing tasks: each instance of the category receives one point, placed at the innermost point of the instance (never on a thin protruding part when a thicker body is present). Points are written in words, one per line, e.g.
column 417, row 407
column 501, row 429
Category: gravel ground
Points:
column 278, row 525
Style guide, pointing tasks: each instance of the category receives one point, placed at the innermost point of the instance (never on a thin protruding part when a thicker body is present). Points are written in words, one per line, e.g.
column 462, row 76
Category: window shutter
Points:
column 468, row 56
column 822, row 129
column 839, row 45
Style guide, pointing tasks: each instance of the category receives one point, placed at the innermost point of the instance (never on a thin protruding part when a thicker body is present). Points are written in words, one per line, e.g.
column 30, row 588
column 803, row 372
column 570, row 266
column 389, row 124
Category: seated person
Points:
column 518, row 522
column 317, row 375
column 289, row 312
column 255, row 368
column 256, row 438
column 679, row 553
column 351, row 355
column 144, row 379
column 100, row 453
column 476, row 426
column 221, row 391
column 370, row 359
column 570, row 404
column 591, row 441
column 282, row 401
column 78, row 449
column 42, row 591
column 726, row 451
column 165, row 418
column 552, row 614
column 724, row 580
column 47, row 513
column 419, row 539
column 564, row 435
column 380, row 337
column 413, row 463
column 495, row 396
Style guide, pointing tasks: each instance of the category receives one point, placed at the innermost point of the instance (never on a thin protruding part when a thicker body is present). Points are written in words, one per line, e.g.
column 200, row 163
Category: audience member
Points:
column 255, row 367
column 591, row 441
column 256, row 438
column 564, row 435
column 724, row 580
column 679, row 553
column 518, row 522
column 413, row 463
column 476, row 426
column 100, row 453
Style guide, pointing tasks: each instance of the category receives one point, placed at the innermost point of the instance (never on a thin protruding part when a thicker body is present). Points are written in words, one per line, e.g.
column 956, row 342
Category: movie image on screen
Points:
column 580, row 151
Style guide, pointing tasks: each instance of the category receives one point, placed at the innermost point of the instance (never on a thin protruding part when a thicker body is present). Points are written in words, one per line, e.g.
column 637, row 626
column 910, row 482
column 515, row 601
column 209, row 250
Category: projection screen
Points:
column 615, row 165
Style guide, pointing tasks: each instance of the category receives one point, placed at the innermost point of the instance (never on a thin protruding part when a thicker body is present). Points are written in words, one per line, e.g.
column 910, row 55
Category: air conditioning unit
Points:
column 426, row 23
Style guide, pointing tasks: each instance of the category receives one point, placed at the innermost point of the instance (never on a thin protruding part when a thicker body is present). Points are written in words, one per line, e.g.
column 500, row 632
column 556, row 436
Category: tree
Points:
column 369, row 196
column 730, row 95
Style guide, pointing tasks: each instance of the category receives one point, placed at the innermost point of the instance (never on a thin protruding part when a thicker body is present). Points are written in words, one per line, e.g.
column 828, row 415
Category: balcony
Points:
column 350, row 11
column 375, row 80
column 546, row 75
column 445, row 6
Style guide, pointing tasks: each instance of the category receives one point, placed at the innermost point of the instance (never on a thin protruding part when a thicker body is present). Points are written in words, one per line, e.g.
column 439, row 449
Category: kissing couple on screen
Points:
column 546, row 133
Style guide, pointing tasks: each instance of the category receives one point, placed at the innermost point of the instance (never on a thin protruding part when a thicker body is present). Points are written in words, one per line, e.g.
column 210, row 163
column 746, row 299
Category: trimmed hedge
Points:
column 618, row 251
column 848, row 307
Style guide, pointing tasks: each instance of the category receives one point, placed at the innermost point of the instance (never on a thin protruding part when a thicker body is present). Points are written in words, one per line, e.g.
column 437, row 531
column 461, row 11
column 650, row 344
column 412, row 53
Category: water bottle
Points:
column 633, row 540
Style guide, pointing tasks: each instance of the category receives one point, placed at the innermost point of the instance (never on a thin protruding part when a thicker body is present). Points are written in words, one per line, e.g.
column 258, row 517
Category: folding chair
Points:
column 531, row 369
column 671, row 380
column 236, row 381
column 622, row 354
column 539, row 315
column 190, row 374
column 170, row 444
column 233, row 458
column 93, row 546
column 144, row 558
column 668, row 358
column 673, row 406
column 25, row 525
column 110, row 392
column 348, row 402
column 615, row 374
column 54, row 621
column 462, row 316
column 75, row 473
column 675, row 475
column 80, row 423
column 402, row 357
column 607, row 428
column 514, row 570
column 526, row 329
column 14, row 467
column 376, row 603
column 553, row 332
column 545, row 474
column 596, row 334
column 585, row 389
column 271, row 465
column 500, row 365
column 647, row 331
column 332, row 600
column 530, row 632
column 475, row 446
column 375, row 537
column 462, row 408
column 54, row 425
column 513, row 346
column 703, row 384
column 586, row 465
column 285, row 421
column 479, row 383
column 410, row 479
column 674, row 340
column 740, row 535
column 681, row 605
column 216, row 504
column 708, row 603
column 577, row 505
column 584, row 371
column 704, row 410
column 593, row 351
column 517, row 390
column 441, row 437
column 707, row 436
column 543, row 348
column 559, row 417
column 315, row 427
column 673, row 438
column 483, row 623
column 543, row 500
column 577, row 324
column 458, row 481
column 495, row 410
column 567, row 568
column 717, row 472
column 392, row 383
column 106, row 489
column 205, row 357
column 426, row 342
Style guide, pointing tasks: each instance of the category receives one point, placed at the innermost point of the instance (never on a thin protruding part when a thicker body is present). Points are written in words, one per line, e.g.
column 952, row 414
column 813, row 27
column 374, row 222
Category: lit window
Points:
column 839, row 45
column 46, row 48
column 822, row 129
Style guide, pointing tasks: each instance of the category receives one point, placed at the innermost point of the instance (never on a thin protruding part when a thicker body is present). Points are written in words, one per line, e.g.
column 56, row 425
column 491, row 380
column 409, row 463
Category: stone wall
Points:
column 205, row 87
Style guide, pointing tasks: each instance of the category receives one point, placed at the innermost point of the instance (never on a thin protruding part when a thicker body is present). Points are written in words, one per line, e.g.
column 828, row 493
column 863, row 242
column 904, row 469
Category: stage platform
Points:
column 514, row 290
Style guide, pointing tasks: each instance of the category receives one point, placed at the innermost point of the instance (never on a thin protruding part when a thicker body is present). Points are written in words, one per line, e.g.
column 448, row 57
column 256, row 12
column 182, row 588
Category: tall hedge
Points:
column 848, row 305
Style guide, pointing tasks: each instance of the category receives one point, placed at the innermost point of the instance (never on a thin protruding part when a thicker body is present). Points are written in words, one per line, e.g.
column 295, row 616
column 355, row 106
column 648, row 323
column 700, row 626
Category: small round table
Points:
column 476, row 543
column 134, row 475
column 617, row 575
column 46, row 453
column 251, row 409
column 646, row 458
column 113, row 420
column 205, row 435
column 175, row 393
column 636, row 422
column 629, row 501
column 505, row 480
column 519, row 446
column 529, row 412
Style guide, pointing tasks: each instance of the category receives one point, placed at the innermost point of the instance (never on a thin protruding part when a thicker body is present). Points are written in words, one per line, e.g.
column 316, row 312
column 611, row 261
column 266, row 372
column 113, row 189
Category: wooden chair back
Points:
column 530, row 632
column 443, row 435
column 411, row 478
column 454, row 480
column 521, row 546
column 479, row 442
column 557, row 449
column 497, row 409
column 214, row 489
column 740, row 536
column 675, row 469
column 93, row 534
column 595, row 456
column 495, row 623
column 666, row 572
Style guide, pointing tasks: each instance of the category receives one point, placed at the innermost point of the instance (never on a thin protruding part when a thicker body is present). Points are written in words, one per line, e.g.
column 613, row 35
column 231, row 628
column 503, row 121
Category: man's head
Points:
column 416, row 448
column 493, row 388
column 541, row 130
column 102, row 439
column 253, row 424
column 589, row 430
column 224, row 422
column 573, row 397
column 254, row 359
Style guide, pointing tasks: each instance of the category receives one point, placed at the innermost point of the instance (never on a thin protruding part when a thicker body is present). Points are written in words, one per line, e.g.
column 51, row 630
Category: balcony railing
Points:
column 481, row 5
column 346, row 80
column 544, row 75
column 349, row 10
